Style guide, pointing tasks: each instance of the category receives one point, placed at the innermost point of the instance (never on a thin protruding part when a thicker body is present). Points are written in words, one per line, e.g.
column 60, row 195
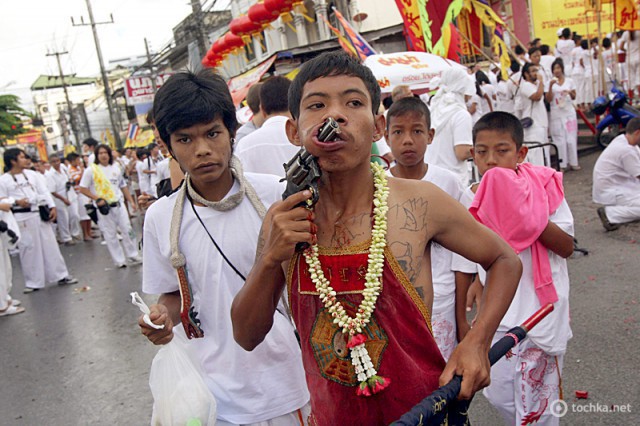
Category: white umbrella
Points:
column 414, row 69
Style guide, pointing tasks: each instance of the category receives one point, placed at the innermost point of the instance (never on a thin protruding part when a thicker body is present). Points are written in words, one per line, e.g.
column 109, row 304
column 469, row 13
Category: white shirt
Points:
column 551, row 334
column 504, row 98
column 530, row 108
column 249, row 387
column 112, row 172
column 576, row 54
column 616, row 172
column 246, row 129
column 632, row 47
column 475, row 99
column 562, row 104
column 456, row 131
column 162, row 169
column 26, row 185
column 267, row 149
column 563, row 50
column 148, row 181
column 546, row 61
column 490, row 91
column 56, row 181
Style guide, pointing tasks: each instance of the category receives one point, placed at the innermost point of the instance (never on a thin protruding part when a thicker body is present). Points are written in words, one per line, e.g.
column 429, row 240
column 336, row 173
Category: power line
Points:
column 103, row 72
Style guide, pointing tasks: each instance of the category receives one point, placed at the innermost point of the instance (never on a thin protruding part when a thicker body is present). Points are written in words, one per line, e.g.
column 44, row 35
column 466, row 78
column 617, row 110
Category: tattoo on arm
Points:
column 420, row 291
column 412, row 214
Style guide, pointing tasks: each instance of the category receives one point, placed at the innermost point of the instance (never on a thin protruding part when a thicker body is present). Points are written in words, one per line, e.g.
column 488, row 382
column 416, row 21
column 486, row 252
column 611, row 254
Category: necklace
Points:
column 370, row 382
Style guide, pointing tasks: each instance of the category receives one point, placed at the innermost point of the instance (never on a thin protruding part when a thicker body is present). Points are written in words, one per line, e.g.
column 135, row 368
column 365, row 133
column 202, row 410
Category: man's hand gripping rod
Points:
column 303, row 172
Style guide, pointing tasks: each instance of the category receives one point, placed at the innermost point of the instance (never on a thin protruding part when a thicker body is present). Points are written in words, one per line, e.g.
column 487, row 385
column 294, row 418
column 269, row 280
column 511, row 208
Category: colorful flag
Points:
column 132, row 133
column 359, row 43
column 626, row 15
column 412, row 28
column 346, row 46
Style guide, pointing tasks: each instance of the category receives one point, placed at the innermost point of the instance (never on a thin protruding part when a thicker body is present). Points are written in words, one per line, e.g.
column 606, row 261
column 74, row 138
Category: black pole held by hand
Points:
column 442, row 404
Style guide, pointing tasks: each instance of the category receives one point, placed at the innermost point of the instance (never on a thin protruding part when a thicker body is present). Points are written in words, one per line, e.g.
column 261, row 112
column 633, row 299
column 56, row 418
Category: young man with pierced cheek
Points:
column 364, row 325
column 199, row 242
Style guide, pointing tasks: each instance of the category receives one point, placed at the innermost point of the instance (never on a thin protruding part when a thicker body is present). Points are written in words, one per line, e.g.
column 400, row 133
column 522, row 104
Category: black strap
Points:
column 216, row 244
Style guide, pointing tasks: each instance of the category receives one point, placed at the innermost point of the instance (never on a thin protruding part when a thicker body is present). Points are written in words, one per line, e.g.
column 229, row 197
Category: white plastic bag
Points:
column 180, row 396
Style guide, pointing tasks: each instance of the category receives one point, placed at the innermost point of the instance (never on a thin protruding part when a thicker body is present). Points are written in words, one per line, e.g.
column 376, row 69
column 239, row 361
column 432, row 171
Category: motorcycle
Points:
column 618, row 113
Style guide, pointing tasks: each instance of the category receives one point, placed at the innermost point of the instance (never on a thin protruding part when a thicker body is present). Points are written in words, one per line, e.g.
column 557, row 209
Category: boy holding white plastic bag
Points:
column 207, row 233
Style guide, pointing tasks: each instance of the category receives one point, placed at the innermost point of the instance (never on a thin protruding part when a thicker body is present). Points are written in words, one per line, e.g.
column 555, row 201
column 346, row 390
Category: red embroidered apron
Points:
column 399, row 340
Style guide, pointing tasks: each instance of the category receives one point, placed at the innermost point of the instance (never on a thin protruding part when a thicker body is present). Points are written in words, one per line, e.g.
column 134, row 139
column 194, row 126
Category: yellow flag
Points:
column 627, row 15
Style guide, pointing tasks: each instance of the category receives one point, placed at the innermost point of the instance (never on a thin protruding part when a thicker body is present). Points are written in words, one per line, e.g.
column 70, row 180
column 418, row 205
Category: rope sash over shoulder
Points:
column 188, row 315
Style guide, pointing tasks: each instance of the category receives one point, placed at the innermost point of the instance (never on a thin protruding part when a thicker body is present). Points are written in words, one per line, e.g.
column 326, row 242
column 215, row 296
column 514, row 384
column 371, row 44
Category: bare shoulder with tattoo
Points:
column 411, row 230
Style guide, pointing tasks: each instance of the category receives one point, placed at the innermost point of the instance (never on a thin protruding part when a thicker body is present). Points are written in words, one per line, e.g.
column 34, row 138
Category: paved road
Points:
column 77, row 358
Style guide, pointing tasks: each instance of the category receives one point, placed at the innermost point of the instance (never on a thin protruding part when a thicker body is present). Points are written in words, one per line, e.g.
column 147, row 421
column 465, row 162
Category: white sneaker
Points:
column 135, row 260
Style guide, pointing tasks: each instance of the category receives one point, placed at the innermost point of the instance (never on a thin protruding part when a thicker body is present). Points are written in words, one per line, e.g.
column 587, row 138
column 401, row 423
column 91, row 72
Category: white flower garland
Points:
column 370, row 382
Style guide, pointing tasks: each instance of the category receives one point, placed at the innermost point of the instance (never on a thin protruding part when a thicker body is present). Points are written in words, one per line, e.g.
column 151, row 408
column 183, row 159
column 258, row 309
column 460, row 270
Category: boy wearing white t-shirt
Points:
column 616, row 179
column 200, row 242
column 536, row 221
column 409, row 132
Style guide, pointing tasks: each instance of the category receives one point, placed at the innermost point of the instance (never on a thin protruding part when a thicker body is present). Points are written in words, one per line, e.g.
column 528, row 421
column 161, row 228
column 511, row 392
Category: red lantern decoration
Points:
column 233, row 42
column 244, row 27
column 281, row 7
column 259, row 14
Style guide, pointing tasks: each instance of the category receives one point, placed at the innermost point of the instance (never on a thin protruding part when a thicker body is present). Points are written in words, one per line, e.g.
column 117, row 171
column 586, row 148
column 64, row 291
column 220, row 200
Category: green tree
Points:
column 11, row 114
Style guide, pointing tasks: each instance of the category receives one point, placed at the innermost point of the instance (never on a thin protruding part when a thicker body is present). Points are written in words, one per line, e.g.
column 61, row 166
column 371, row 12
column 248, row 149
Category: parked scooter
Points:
column 618, row 113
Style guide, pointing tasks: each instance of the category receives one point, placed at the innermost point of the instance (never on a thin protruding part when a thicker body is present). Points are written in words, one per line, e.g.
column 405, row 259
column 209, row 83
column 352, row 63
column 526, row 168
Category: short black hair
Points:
column 527, row 67
column 253, row 98
column 331, row 64
column 187, row 99
column 584, row 44
column 142, row 152
column 502, row 122
column 103, row 146
column 514, row 66
column 273, row 95
column 559, row 62
column 409, row 106
column 566, row 32
column 481, row 77
column 90, row 142
column 11, row 154
column 534, row 50
column 519, row 50
column 606, row 42
column 71, row 157
column 544, row 49
column 632, row 126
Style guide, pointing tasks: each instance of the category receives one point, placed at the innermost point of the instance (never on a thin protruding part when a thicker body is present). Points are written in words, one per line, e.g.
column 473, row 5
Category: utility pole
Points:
column 150, row 62
column 196, row 8
column 66, row 96
column 103, row 71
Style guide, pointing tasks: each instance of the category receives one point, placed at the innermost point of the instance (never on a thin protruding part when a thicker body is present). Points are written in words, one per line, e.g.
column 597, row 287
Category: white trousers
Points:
column 40, row 255
column 295, row 418
column 67, row 221
column 443, row 323
column 634, row 73
column 524, row 384
column 81, row 201
column 118, row 219
column 626, row 209
column 6, row 273
column 564, row 133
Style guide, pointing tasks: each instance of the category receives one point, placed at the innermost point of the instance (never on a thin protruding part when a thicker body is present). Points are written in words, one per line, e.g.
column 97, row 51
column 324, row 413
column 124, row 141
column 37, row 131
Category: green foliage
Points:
column 11, row 115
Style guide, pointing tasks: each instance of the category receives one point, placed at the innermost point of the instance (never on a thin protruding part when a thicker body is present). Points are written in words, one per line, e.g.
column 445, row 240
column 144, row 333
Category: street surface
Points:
column 77, row 357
